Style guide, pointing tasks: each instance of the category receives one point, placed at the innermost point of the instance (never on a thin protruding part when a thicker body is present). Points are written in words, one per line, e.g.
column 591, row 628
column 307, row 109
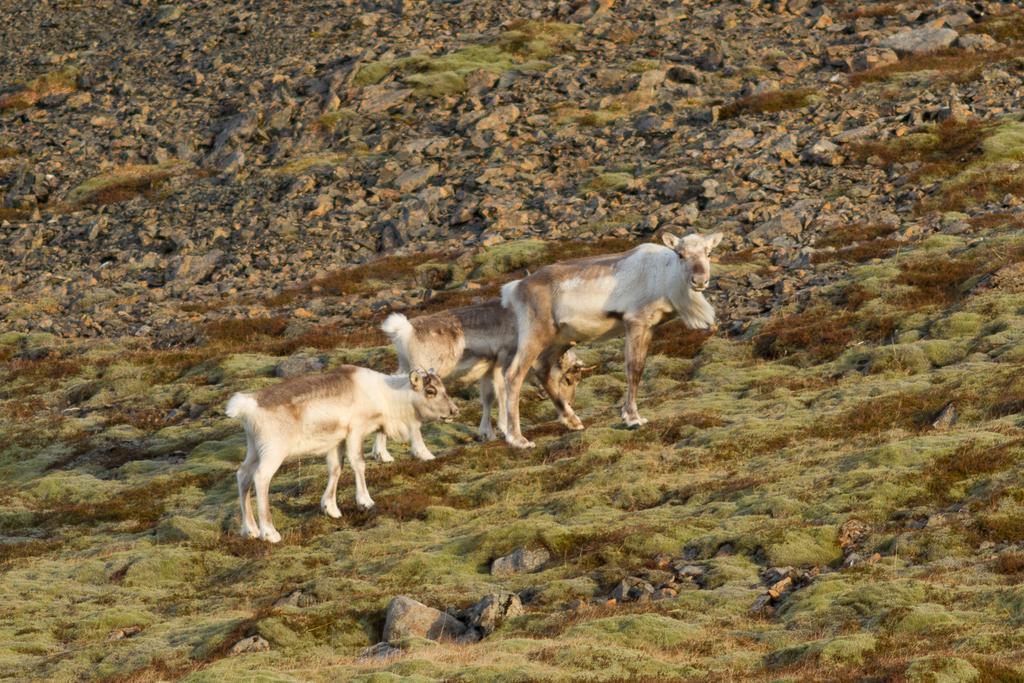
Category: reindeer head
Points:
column 432, row 401
column 571, row 369
column 693, row 251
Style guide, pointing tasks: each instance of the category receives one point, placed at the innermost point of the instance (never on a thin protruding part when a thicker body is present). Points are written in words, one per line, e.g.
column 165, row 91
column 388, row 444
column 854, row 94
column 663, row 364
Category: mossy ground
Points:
column 120, row 508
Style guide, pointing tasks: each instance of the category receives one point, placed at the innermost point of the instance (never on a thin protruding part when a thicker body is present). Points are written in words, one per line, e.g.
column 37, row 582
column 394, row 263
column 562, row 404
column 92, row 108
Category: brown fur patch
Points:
column 309, row 386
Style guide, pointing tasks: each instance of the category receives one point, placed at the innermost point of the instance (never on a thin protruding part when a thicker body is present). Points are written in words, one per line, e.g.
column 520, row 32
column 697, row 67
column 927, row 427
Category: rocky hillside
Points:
column 197, row 198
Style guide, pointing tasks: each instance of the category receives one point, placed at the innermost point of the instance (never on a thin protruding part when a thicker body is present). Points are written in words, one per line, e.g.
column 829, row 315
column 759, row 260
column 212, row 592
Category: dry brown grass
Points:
column 769, row 102
column 394, row 271
column 936, row 281
column 967, row 461
column 676, row 340
column 818, row 334
column 124, row 183
column 874, row 10
column 1007, row 28
column 60, row 82
column 912, row 412
column 1009, row 563
column 948, row 148
column 953, row 66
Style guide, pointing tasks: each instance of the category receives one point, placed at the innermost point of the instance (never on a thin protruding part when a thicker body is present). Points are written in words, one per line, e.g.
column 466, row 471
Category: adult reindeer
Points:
column 603, row 296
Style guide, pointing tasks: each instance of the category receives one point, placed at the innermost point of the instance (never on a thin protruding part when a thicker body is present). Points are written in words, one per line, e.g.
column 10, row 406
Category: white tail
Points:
column 508, row 290
column 397, row 326
column 242, row 406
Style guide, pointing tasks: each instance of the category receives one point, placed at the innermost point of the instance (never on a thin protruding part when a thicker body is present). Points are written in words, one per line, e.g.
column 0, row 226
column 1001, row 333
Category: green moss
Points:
column 125, row 182
column 610, row 182
column 507, row 256
column 942, row 670
column 803, row 547
column 309, row 163
column 1005, row 143
column 331, row 121
column 520, row 48
column 841, row 650
column 959, row 324
column 639, row 631
column 927, row 618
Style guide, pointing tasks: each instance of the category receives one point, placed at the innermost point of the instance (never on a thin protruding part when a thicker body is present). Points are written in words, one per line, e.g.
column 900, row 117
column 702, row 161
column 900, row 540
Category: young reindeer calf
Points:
column 315, row 414
column 475, row 343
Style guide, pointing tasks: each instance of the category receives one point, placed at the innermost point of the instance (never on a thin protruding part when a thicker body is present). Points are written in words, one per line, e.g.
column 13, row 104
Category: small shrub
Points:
column 818, row 334
column 942, row 149
column 60, row 82
column 124, row 183
column 906, row 411
column 935, row 280
column 953, row 65
column 678, row 341
column 1009, row 563
column 245, row 330
column 969, row 460
column 769, row 102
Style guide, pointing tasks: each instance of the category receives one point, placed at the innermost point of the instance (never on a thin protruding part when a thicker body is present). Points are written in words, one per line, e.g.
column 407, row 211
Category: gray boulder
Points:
column 407, row 617
column 521, row 561
column 921, row 40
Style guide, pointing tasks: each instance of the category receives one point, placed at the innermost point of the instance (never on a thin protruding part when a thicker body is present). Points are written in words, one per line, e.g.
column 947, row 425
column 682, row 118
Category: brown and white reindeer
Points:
column 476, row 343
column 604, row 296
column 315, row 414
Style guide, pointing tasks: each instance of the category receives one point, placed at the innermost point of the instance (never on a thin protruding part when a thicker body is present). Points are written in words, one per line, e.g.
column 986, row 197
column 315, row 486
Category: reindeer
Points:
column 314, row 414
column 475, row 343
column 600, row 297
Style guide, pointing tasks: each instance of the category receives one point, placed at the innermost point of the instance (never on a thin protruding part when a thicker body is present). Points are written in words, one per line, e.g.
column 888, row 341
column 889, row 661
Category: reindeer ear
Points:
column 670, row 240
column 416, row 379
column 711, row 241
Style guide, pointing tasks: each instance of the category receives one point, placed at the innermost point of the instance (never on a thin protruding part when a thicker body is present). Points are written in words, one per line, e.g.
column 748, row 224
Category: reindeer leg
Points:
column 380, row 447
column 245, row 476
column 518, row 369
column 638, row 341
column 486, row 401
column 329, row 501
column 270, row 461
column 354, row 453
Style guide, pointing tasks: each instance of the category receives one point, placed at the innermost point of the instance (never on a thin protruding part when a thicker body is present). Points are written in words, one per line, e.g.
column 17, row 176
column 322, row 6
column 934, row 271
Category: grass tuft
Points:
column 769, row 102
column 124, row 183
column 62, row 82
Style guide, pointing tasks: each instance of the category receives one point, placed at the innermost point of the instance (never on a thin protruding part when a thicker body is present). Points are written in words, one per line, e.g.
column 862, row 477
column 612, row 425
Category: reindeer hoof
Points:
column 271, row 536
column 519, row 442
column 634, row 421
column 574, row 423
column 331, row 511
column 365, row 505
column 250, row 533
column 384, row 456
column 426, row 455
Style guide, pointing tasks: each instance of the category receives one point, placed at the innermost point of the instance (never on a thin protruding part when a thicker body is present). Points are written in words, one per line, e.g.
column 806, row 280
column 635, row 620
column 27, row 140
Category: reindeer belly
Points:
column 584, row 328
column 470, row 369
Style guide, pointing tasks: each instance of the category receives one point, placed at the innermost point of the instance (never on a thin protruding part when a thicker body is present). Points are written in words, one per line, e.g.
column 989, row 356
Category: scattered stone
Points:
column 520, row 561
column 492, row 610
column 852, row 532
column 126, row 632
column 248, row 645
column 407, row 617
column 974, row 42
column 823, row 153
column 946, row 417
column 380, row 652
column 633, row 589
column 414, row 178
column 294, row 366
column 921, row 40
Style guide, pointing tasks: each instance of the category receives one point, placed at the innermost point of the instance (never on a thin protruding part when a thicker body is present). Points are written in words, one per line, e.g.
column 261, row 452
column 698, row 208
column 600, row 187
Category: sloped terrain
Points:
column 199, row 199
